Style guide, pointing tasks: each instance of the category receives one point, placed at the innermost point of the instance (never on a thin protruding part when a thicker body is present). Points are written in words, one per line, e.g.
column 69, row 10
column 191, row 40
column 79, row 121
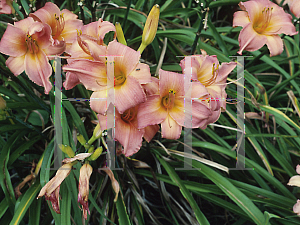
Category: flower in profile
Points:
column 63, row 23
column 207, row 71
column 167, row 106
column 51, row 189
column 127, row 132
column 83, row 188
column 6, row 7
column 129, row 74
column 28, row 42
column 295, row 180
column 262, row 22
column 296, row 208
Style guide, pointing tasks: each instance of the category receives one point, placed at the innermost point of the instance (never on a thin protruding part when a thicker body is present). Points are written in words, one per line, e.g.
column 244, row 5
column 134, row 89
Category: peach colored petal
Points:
column 178, row 111
column 170, row 129
column 280, row 22
column 4, row 7
column 128, row 59
column 77, row 53
column 56, row 49
column 90, row 29
column 295, row 7
column 170, row 80
column 296, row 208
column 129, row 136
column 151, row 88
column 141, row 73
column 13, row 42
column 196, row 61
column 46, row 14
column 151, row 112
column 71, row 81
column 98, row 101
column 129, row 94
column 294, row 181
column 213, row 118
column 240, row 18
column 250, row 40
column 104, row 27
column 92, row 48
column 275, row 45
column 150, row 132
column 16, row 64
column 41, row 33
column 24, row 24
column 254, row 8
column 91, row 74
column 224, row 71
column 38, row 69
column 298, row 169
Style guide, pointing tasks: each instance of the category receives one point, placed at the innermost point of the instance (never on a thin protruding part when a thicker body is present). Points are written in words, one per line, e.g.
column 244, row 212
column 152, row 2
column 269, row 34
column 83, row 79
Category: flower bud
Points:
column 97, row 132
column 2, row 103
column 150, row 28
column 96, row 154
column 81, row 139
column 68, row 150
column 120, row 34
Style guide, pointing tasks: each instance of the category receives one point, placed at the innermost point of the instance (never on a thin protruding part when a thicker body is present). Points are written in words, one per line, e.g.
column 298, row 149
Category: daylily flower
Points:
column 89, row 45
column 262, row 21
column 167, row 106
column 207, row 71
column 129, row 74
column 27, row 43
column 6, row 7
column 296, row 208
column 295, row 180
column 293, row 5
column 51, row 189
column 127, row 132
column 63, row 24
column 83, row 188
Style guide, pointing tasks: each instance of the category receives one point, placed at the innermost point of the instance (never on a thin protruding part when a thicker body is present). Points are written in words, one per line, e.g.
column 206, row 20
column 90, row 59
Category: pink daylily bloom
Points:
column 167, row 106
column 27, row 43
column 127, row 132
column 83, row 188
column 64, row 24
column 89, row 45
column 129, row 74
column 207, row 71
column 6, row 7
column 294, row 7
column 262, row 22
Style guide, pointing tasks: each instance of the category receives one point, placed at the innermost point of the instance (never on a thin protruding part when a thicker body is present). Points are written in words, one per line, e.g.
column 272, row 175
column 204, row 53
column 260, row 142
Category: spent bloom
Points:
column 83, row 187
column 51, row 189
column 207, row 71
column 262, row 22
column 27, row 43
column 63, row 23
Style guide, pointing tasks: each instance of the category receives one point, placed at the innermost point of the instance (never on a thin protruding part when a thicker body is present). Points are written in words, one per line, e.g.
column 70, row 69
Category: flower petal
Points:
column 170, row 80
column 104, row 27
column 16, row 64
column 151, row 88
column 13, row 42
column 98, row 101
column 42, row 34
column 141, row 73
column 129, row 94
column 240, row 18
column 46, row 14
column 129, row 136
column 170, row 129
column 38, row 69
column 127, row 58
column 91, row 74
column 250, row 40
column 294, row 181
column 151, row 112
column 275, row 45
column 298, row 169
column 150, row 132
column 296, row 208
